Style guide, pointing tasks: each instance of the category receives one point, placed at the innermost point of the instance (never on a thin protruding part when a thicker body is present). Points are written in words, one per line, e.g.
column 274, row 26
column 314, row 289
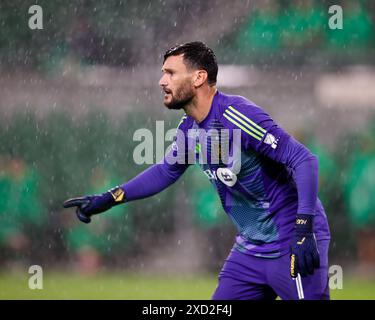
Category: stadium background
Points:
column 73, row 94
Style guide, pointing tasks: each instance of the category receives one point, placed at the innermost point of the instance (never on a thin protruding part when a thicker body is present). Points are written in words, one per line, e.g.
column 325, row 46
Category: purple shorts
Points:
column 246, row 277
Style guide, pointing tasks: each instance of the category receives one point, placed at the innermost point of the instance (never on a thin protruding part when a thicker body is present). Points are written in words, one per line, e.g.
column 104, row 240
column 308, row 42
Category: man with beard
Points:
column 269, row 190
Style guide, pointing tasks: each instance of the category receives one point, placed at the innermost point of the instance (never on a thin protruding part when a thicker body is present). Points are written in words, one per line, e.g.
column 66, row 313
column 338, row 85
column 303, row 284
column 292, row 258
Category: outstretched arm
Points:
column 149, row 182
column 152, row 181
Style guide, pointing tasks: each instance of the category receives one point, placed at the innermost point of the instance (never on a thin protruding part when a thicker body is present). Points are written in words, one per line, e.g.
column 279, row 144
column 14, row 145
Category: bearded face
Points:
column 178, row 97
column 176, row 83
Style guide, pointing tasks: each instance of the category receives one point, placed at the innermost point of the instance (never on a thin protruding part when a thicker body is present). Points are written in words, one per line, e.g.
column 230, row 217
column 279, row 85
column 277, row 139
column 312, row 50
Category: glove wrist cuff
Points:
column 117, row 195
column 304, row 223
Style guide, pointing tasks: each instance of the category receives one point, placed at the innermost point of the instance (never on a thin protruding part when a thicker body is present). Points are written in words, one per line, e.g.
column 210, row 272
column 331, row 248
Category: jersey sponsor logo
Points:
column 211, row 174
column 271, row 140
column 226, row 176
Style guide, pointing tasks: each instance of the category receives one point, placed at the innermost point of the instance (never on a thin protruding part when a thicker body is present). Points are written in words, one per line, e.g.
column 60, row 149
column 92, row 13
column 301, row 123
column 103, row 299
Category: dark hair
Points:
column 196, row 55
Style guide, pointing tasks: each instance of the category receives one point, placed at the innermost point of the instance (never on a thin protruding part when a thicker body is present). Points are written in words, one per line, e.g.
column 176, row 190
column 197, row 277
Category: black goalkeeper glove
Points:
column 304, row 256
column 90, row 205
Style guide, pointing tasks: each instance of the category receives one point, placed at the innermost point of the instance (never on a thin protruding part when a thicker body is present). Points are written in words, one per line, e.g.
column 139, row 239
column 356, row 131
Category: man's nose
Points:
column 162, row 81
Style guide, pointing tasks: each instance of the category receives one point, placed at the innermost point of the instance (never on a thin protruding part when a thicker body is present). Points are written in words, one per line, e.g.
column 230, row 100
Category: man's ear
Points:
column 200, row 78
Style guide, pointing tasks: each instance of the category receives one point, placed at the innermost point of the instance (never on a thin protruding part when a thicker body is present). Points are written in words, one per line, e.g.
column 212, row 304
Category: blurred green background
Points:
column 74, row 93
column 136, row 286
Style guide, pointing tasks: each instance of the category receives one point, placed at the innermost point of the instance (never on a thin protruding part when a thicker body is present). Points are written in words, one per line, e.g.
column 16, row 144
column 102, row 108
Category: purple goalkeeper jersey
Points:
column 263, row 176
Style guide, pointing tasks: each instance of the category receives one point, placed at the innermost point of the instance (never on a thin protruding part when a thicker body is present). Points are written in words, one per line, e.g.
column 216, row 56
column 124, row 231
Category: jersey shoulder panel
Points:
column 237, row 112
column 259, row 132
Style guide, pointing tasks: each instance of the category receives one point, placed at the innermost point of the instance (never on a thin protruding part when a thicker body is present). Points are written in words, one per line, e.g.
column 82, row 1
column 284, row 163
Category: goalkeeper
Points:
column 269, row 191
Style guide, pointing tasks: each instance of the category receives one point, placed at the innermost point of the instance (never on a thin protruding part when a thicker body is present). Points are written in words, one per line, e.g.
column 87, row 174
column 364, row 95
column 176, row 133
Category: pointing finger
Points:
column 75, row 202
